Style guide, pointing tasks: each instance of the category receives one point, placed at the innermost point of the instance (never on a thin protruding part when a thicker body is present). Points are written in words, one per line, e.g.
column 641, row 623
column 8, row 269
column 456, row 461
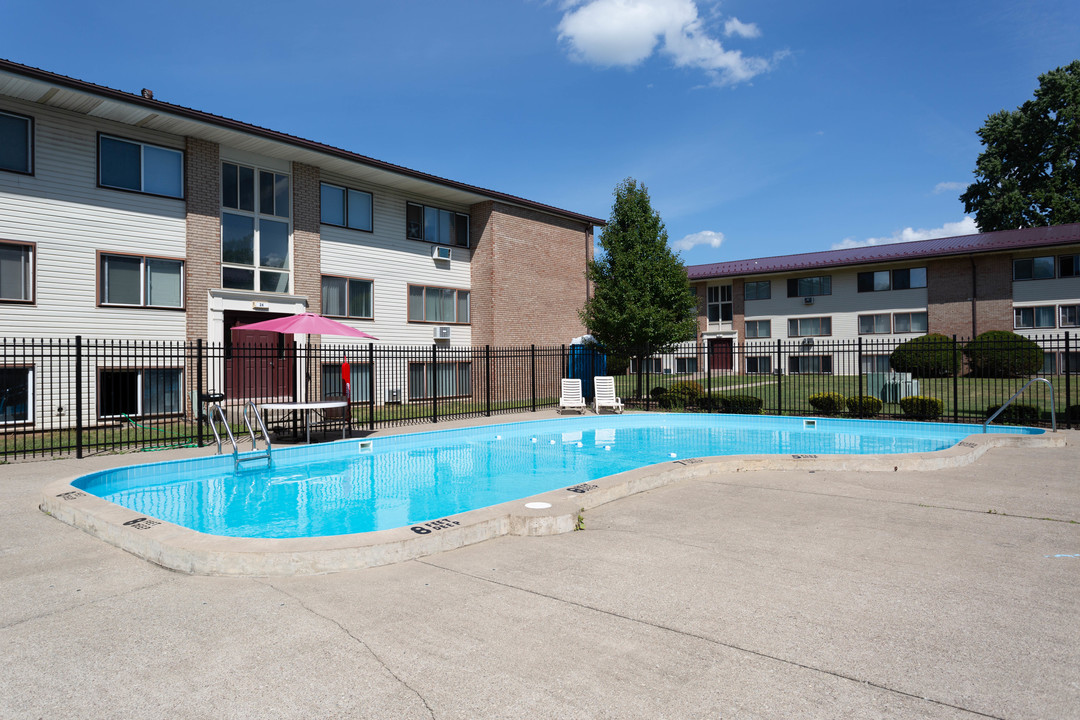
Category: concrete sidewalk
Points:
column 952, row 594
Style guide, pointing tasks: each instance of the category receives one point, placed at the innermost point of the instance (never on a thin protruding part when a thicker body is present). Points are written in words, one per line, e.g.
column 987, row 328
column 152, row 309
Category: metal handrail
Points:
column 216, row 408
column 1053, row 415
column 262, row 426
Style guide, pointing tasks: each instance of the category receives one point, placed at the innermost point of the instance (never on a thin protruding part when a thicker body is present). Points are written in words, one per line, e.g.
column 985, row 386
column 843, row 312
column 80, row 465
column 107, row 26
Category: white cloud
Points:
column 705, row 237
column 966, row 226
column 625, row 33
column 948, row 187
column 743, row 30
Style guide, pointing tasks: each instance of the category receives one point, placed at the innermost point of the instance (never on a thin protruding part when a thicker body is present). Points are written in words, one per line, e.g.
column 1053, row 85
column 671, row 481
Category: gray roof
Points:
column 1003, row 240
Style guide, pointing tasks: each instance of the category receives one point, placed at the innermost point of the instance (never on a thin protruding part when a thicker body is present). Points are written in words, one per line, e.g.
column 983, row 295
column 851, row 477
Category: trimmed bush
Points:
column 921, row 407
column 685, row 392
column 1072, row 414
column 926, row 357
column 742, row 404
column 864, row 406
column 1016, row 414
column 1000, row 353
column 828, row 403
column 658, row 392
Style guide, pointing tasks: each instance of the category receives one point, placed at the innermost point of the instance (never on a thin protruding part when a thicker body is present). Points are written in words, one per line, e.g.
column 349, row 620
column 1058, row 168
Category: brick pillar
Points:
column 481, row 273
column 738, row 308
column 202, row 265
column 307, row 254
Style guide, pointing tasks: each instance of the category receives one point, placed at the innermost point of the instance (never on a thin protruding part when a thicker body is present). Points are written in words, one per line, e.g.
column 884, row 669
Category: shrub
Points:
column 1016, row 414
column 742, row 404
column 658, row 392
column 685, row 392
column 921, row 407
column 864, row 406
column 927, row 356
column 1000, row 353
column 617, row 365
column 828, row 403
column 1072, row 414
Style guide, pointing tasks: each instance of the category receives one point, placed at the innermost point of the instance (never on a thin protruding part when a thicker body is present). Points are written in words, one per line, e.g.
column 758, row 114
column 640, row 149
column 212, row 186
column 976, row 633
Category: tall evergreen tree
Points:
column 641, row 303
column 1029, row 173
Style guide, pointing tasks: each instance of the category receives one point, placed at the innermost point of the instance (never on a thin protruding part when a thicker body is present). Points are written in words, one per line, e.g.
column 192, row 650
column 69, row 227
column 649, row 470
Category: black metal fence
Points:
column 78, row 396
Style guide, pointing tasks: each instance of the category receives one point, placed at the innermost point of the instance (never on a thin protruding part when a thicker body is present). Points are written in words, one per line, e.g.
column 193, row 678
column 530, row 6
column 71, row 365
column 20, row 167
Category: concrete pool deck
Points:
column 948, row 593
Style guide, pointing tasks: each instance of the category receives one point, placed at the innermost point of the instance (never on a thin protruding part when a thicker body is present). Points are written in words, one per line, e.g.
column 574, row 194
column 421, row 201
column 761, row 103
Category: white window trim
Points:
column 256, row 216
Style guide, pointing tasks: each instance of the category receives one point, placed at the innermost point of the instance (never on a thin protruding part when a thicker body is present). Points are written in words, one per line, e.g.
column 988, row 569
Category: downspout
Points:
column 974, row 297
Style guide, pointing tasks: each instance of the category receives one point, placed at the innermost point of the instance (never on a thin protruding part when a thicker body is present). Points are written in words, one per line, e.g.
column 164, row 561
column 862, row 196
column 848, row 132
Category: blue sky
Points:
column 759, row 128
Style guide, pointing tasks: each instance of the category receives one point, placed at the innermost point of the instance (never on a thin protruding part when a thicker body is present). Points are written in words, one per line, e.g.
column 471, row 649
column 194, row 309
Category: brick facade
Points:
column 969, row 295
column 202, row 267
column 307, row 255
column 738, row 308
column 527, row 276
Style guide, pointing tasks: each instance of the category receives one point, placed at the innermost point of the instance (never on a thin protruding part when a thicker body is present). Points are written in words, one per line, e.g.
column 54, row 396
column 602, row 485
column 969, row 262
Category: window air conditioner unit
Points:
column 393, row 396
column 808, row 342
column 440, row 252
column 442, row 332
column 808, row 301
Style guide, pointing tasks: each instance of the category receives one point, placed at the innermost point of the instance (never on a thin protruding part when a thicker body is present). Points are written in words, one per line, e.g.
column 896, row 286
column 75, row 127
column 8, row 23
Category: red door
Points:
column 721, row 353
column 258, row 364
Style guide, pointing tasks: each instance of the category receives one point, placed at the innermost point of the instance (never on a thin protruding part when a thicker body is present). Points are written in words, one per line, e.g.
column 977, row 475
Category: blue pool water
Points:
column 358, row 486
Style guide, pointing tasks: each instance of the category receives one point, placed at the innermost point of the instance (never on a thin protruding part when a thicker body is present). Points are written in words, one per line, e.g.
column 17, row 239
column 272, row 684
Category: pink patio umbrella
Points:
column 312, row 324
column 307, row 324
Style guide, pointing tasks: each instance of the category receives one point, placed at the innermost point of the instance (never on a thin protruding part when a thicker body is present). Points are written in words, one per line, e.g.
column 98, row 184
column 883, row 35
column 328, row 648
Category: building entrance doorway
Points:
column 258, row 364
column 721, row 353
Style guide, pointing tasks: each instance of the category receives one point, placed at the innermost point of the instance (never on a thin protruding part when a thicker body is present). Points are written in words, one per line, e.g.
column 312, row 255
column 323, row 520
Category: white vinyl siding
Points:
column 69, row 219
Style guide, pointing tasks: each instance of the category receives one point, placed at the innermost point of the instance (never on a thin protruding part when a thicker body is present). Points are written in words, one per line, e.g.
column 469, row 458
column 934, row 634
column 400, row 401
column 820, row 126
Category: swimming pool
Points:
column 419, row 479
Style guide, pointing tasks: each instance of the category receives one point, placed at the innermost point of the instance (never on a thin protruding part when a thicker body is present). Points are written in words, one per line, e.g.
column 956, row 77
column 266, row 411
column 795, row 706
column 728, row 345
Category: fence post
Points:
column 955, row 382
column 779, row 378
column 1068, row 399
column 434, row 382
column 371, row 386
column 199, row 388
column 532, row 374
column 708, row 376
column 858, row 369
column 487, row 383
column 78, row 398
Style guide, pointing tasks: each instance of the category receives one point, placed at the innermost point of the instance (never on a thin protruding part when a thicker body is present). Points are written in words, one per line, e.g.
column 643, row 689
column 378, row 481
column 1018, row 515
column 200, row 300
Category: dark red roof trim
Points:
column 962, row 245
column 200, row 116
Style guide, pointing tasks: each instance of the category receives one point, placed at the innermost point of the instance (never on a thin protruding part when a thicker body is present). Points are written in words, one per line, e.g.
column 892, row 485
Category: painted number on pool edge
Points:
column 583, row 488
column 142, row 523
column 434, row 525
column 967, row 444
column 804, row 457
column 72, row 495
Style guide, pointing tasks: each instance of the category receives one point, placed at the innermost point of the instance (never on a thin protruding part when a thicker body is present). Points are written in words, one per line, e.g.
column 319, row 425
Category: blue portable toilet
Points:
column 587, row 360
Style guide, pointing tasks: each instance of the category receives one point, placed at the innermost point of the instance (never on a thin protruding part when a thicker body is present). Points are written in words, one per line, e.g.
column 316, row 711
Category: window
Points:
column 16, row 143
column 758, row 364
column 16, row 395
column 359, row 380
column 909, row 278
column 909, row 322
column 434, row 225
column 130, row 165
column 875, row 363
column 686, row 365
column 135, row 392
column 874, row 281
column 141, row 281
column 1069, row 265
column 254, row 240
column 1070, row 315
column 809, row 327
column 1039, row 268
column 345, row 207
column 1033, row 317
column 653, row 366
column 438, row 305
column 758, row 290
column 1049, row 366
column 16, row 272
column 454, row 379
column 810, row 364
column 758, row 329
column 718, row 304
column 871, row 324
column 346, row 297
column 809, row 286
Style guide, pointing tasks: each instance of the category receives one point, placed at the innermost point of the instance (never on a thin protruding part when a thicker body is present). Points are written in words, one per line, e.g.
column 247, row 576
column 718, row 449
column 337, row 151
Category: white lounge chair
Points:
column 571, row 398
column 604, row 387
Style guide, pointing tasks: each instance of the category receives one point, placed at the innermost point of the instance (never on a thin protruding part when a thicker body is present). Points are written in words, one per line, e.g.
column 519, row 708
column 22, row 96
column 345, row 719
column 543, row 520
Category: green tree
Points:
column 641, row 301
column 1029, row 173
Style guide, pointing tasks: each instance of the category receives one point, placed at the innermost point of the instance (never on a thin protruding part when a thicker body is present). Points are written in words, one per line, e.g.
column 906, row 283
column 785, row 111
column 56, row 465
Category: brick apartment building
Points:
column 1027, row 281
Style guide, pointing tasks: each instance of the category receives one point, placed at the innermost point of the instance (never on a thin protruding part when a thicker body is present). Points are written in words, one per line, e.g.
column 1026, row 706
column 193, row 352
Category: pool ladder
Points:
column 217, row 411
column 1053, row 414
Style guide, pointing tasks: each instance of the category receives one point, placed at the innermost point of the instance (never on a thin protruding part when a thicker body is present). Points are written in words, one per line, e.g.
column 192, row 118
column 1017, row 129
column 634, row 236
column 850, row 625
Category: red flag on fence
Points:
column 346, row 377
